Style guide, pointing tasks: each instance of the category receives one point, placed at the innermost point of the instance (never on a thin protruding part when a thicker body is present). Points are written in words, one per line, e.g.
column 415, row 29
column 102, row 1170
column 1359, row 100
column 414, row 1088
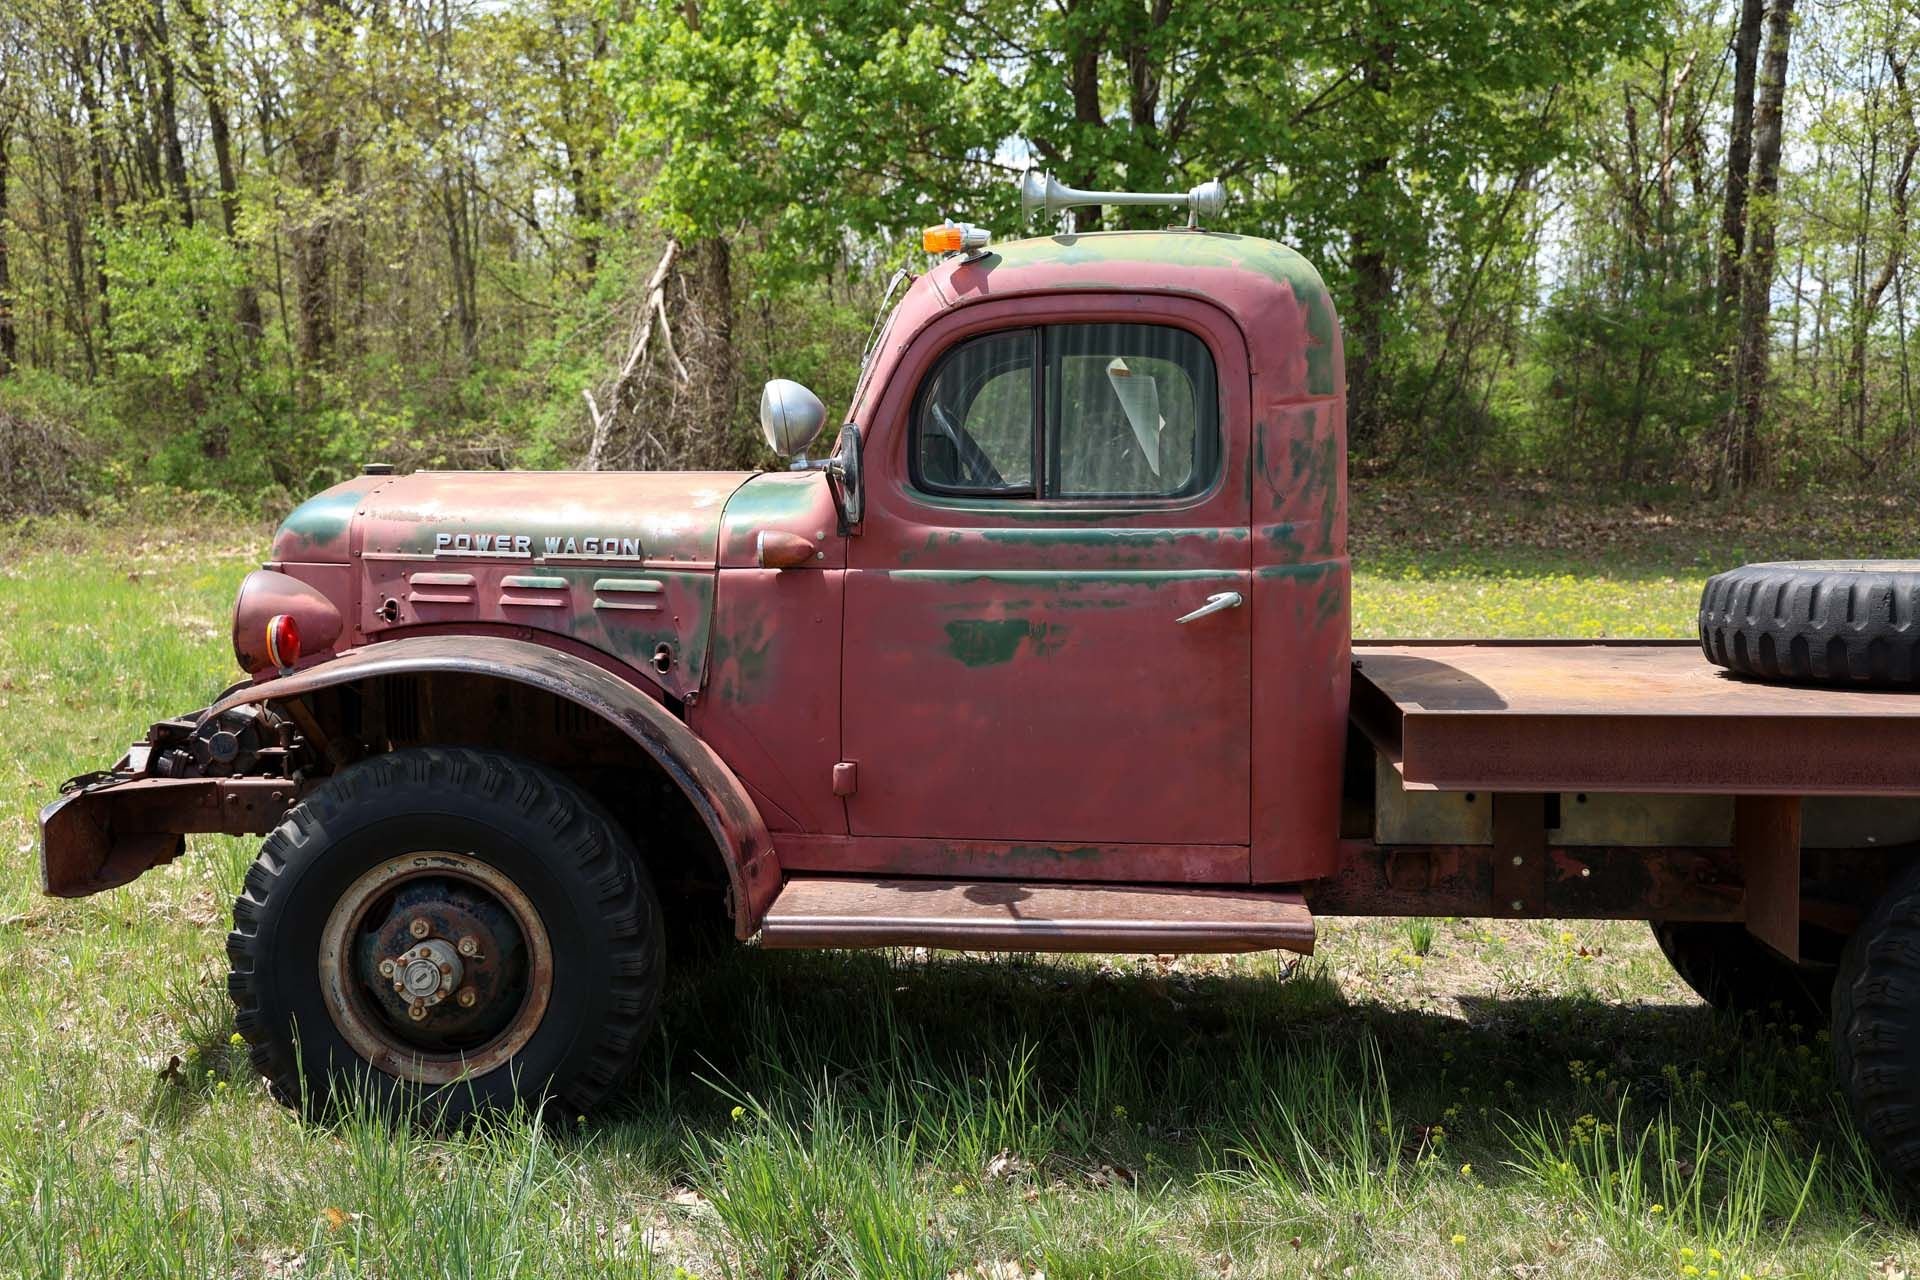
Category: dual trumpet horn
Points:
column 1042, row 192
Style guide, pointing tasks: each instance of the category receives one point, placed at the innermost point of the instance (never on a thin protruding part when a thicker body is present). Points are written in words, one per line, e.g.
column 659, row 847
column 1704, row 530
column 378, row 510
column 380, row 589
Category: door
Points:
column 1046, row 636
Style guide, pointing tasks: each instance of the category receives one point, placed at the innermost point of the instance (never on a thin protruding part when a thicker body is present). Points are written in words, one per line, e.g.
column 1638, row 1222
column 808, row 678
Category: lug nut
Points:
column 469, row 945
column 417, row 1011
column 465, row 997
column 419, row 928
column 386, row 968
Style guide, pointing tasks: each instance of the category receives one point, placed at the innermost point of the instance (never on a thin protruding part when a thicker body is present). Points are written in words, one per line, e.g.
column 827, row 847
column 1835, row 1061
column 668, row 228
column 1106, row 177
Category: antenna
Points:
column 1041, row 191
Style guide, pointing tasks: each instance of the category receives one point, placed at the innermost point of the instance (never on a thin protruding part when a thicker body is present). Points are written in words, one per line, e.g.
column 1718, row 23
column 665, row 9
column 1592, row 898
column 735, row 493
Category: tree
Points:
column 1733, row 223
column 1389, row 138
column 1741, row 458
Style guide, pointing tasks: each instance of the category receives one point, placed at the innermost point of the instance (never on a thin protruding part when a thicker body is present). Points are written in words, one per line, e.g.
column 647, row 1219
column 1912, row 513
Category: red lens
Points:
column 283, row 640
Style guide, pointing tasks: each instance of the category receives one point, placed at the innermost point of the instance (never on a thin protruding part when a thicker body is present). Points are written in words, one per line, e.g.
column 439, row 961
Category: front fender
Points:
column 702, row 776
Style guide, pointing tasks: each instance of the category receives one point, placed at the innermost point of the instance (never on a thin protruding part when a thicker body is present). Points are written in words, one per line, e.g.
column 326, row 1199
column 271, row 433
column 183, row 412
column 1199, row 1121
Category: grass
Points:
column 1426, row 1098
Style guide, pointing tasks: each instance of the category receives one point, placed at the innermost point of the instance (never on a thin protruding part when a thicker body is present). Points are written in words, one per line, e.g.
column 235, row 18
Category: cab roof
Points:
column 1273, row 294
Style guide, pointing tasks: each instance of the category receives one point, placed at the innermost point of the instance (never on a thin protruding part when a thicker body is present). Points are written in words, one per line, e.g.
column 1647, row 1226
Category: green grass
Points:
column 1433, row 1098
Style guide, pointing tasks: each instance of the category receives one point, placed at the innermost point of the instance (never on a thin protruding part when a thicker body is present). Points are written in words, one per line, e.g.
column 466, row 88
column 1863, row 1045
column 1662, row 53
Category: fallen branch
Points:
column 652, row 310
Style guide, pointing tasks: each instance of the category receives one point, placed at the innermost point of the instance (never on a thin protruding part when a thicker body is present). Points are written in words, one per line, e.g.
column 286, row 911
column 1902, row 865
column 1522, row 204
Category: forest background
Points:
column 246, row 245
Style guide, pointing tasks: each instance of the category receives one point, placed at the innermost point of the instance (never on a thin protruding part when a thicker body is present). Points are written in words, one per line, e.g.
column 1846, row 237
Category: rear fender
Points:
column 702, row 776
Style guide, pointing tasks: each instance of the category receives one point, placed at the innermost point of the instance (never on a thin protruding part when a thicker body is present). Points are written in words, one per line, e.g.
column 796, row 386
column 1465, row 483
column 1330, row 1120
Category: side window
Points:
column 1133, row 412
column 1110, row 411
column 973, row 430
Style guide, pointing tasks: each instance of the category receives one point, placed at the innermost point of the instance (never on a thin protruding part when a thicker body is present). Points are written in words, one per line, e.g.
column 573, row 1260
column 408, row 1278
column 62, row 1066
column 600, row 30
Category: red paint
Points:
column 311, row 622
column 771, row 707
column 1007, row 859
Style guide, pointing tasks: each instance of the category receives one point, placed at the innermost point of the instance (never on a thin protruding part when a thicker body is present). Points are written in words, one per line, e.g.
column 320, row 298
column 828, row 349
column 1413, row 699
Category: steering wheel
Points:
column 977, row 469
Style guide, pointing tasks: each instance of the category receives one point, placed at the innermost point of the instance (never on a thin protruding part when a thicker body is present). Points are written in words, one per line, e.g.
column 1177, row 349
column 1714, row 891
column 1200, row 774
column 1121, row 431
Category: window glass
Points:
column 974, row 428
column 1125, row 411
column 1122, row 411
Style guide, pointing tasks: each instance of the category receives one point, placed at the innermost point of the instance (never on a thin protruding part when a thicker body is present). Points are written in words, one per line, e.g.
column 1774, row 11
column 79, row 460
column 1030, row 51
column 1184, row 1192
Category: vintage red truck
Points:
column 1053, row 653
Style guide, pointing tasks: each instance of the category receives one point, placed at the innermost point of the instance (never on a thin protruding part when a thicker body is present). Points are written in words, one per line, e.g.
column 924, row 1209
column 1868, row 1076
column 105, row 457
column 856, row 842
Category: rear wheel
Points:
column 452, row 929
column 1876, row 1028
column 1736, row 973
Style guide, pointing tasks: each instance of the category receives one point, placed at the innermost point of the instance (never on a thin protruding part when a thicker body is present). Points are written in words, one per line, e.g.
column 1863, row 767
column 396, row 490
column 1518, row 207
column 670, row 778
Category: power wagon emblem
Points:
column 519, row 546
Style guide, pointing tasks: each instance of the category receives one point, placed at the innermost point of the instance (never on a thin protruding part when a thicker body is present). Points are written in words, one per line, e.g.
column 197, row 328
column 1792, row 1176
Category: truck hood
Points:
column 652, row 517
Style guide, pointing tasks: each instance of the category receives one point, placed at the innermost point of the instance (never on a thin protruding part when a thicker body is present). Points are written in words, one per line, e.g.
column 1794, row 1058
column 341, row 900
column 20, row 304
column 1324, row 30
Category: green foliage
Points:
column 433, row 225
column 170, row 290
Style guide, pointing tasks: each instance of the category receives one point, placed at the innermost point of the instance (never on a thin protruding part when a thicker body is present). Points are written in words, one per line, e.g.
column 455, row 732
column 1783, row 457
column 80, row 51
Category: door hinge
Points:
column 846, row 776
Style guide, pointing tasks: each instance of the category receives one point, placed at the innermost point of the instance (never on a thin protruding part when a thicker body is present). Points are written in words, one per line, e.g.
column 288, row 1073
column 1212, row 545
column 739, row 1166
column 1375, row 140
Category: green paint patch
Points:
column 1067, row 579
column 1102, row 538
column 1322, row 378
column 321, row 522
column 989, row 642
column 1284, row 539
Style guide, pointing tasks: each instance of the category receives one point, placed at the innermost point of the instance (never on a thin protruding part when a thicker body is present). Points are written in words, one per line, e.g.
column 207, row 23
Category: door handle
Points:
column 1215, row 603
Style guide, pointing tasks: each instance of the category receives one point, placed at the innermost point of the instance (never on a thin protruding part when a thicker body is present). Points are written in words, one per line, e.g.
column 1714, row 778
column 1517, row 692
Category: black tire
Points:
column 1846, row 622
column 1738, row 974
column 1876, row 1029
column 562, row 855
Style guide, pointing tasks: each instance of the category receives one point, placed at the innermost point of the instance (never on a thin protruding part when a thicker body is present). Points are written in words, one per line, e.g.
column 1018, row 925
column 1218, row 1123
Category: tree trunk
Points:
column 706, row 318
column 206, row 74
column 1372, row 281
column 1733, row 219
column 315, row 143
column 167, row 108
column 1085, row 84
column 1756, row 277
column 463, row 251
column 9, row 336
column 103, row 201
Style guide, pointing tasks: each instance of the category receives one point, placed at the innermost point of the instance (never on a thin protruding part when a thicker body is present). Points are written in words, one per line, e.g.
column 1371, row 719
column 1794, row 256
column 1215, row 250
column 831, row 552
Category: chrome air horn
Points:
column 1040, row 191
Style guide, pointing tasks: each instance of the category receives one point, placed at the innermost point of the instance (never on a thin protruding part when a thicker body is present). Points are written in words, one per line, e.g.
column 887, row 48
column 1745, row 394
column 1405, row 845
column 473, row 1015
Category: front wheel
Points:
column 458, row 929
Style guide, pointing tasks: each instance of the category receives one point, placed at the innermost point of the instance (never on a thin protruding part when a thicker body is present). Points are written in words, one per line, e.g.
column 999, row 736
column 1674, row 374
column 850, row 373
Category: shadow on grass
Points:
column 1124, row 1064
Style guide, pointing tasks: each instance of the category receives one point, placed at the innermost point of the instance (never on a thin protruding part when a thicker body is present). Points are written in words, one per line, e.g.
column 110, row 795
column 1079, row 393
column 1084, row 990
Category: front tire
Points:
column 452, row 930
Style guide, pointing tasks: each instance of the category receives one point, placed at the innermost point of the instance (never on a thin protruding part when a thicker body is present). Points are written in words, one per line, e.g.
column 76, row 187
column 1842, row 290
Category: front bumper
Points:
column 107, row 828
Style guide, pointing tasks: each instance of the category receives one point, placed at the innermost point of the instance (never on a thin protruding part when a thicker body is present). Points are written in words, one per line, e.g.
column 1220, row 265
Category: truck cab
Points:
column 1091, row 620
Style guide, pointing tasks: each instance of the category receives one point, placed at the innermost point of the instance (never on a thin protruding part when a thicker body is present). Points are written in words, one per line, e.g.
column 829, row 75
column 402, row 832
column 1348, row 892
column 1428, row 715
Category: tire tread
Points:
column 585, row 836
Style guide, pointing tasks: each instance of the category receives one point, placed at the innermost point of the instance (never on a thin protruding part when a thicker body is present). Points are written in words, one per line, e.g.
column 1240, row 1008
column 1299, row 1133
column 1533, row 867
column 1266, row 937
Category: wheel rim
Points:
column 435, row 966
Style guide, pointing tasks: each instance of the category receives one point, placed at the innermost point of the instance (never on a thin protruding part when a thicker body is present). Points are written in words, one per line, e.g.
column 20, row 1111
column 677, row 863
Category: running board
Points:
column 997, row 915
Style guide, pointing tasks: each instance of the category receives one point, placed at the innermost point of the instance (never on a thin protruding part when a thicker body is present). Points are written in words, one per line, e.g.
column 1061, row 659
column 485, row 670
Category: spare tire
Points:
column 1849, row 622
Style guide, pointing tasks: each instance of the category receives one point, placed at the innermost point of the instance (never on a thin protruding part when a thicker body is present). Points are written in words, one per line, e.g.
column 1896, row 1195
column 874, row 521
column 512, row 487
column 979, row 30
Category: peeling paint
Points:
column 986, row 642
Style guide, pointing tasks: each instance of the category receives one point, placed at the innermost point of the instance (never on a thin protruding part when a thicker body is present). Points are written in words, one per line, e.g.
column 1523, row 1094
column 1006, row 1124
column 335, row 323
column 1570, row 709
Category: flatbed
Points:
column 1623, row 715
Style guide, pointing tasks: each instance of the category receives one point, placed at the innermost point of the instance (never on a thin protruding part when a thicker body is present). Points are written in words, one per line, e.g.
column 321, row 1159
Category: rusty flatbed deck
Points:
column 1652, row 716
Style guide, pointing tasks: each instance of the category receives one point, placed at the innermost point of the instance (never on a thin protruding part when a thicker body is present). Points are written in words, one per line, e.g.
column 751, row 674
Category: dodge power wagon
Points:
column 1051, row 653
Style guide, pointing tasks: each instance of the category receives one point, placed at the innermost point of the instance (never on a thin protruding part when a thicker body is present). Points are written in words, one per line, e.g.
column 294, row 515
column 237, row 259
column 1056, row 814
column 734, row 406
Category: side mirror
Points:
column 843, row 474
column 790, row 416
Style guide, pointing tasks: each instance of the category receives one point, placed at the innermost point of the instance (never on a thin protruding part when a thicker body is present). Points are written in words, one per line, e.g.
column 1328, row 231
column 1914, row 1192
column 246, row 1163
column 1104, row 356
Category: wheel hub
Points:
column 435, row 961
column 427, row 975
